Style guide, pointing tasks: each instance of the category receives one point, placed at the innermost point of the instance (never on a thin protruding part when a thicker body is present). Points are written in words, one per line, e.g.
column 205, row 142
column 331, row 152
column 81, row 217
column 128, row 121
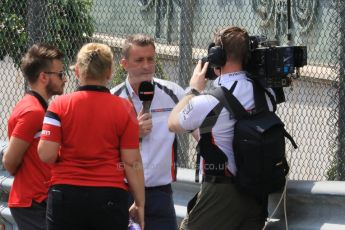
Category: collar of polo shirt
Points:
column 228, row 77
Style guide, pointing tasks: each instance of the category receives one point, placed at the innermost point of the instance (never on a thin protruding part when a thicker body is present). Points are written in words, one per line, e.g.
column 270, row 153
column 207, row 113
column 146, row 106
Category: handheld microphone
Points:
column 146, row 93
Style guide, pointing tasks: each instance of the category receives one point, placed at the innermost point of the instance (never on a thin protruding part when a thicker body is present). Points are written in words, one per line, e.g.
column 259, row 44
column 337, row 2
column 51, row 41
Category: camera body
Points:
column 272, row 65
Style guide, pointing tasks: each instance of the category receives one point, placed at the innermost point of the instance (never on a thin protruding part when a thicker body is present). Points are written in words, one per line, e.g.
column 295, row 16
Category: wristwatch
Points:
column 189, row 90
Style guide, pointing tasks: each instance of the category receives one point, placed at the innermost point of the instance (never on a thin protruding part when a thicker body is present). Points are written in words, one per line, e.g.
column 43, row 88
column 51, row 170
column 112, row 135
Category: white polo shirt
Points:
column 194, row 113
column 157, row 147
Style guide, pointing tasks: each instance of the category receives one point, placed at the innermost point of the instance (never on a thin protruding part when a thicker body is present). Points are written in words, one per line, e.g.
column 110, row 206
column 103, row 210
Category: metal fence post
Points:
column 35, row 25
column 185, row 64
column 35, row 19
column 340, row 175
column 186, row 42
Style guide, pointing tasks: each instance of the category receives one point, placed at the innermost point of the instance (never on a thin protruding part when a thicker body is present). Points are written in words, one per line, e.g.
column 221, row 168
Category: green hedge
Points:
column 68, row 25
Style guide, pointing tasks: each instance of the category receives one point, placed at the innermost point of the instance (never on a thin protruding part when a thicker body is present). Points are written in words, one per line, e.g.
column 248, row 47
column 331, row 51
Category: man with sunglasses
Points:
column 43, row 69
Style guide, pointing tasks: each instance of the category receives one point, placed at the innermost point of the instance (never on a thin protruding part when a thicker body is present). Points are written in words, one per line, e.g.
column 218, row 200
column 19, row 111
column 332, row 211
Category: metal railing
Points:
column 313, row 112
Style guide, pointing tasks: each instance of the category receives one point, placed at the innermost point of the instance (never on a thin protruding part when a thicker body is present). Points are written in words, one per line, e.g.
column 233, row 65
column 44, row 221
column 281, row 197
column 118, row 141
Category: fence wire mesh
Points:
column 314, row 108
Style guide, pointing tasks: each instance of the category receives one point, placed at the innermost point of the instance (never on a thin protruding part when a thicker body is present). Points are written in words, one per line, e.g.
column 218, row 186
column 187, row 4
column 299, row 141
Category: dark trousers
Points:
column 87, row 208
column 159, row 208
column 221, row 206
column 30, row 218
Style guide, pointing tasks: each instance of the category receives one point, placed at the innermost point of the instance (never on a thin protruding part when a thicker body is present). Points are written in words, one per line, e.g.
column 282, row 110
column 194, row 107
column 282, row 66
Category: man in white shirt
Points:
column 219, row 205
column 158, row 144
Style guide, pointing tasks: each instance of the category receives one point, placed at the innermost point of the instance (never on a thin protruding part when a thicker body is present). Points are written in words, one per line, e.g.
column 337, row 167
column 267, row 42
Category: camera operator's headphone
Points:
column 216, row 54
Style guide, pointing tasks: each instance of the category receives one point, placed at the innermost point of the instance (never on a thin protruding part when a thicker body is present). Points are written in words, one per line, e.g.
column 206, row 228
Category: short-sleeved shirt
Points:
column 31, row 181
column 91, row 126
column 157, row 149
column 194, row 113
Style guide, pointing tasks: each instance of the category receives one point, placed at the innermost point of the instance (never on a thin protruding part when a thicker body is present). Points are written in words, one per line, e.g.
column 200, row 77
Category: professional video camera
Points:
column 274, row 66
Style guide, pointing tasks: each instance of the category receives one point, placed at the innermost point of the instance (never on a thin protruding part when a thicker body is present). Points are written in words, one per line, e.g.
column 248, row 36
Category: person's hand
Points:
column 137, row 214
column 145, row 123
column 198, row 80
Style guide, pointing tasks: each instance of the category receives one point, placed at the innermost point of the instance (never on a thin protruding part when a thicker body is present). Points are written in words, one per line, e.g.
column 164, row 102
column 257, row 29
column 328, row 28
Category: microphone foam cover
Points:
column 146, row 91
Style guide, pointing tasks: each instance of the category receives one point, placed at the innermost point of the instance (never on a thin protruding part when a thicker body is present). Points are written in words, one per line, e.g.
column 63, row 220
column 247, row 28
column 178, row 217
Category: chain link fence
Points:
column 314, row 111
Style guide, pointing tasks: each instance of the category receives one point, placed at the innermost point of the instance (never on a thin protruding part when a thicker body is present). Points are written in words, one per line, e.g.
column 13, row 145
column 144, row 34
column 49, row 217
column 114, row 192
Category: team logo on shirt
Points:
column 159, row 110
column 46, row 132
column 187, row 110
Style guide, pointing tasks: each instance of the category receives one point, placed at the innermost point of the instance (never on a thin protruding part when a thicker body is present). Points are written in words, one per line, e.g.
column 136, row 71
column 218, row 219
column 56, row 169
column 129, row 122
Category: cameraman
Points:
column 219, row 205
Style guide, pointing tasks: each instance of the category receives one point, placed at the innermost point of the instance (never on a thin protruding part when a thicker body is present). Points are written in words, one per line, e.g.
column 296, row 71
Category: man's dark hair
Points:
column 235, row 42
column 37, row 59
column 138, row 40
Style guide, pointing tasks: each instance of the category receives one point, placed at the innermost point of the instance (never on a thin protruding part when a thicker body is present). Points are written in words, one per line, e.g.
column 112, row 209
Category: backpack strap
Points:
column 288, row 136
column 260, row 98
column 212, row 116
column 210, row 120
column 197, row 167
column 206, row 127
column 231, row 103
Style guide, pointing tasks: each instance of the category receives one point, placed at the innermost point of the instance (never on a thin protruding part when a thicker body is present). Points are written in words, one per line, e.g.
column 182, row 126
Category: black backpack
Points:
column 258, row 144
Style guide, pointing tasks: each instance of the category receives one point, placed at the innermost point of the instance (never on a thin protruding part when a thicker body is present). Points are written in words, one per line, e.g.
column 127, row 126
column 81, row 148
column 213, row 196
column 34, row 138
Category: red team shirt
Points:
column 31, row 179
column 91, row 125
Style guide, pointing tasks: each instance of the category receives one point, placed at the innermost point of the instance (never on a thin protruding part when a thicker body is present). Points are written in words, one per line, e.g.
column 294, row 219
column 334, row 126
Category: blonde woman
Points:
column 91, row 139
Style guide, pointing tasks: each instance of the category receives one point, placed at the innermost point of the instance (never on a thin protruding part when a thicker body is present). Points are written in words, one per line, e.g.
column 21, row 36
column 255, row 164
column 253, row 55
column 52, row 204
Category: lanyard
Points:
column 130, row 99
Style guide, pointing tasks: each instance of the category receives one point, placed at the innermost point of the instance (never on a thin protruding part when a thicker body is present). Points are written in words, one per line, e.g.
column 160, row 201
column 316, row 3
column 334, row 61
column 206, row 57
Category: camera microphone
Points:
column 146, row 93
